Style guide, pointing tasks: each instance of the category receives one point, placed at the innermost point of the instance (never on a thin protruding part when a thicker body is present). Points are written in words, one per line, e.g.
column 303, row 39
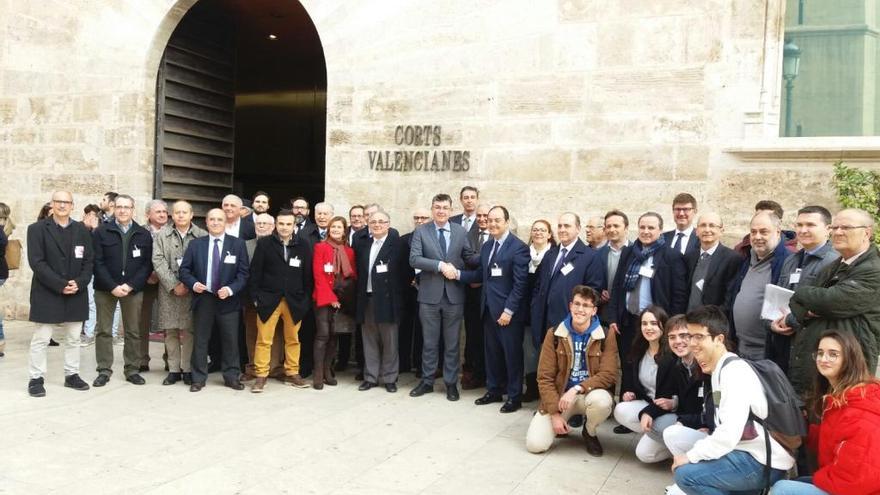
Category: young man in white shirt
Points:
column 732, row 457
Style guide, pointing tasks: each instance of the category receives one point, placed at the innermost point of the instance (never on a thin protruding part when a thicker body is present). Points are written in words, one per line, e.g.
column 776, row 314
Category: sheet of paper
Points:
column 775, row 302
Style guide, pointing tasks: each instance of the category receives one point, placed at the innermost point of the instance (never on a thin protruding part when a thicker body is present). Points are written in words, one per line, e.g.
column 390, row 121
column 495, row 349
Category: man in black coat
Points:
column 410, row 329
column 379, row 299
column 713, row 267
column 215, row 268
column 123, row 262
column 648, row 273
column 280, row 284
column 61, row 256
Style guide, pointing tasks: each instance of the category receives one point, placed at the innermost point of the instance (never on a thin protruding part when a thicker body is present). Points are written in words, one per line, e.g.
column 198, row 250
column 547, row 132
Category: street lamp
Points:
column 791, row 61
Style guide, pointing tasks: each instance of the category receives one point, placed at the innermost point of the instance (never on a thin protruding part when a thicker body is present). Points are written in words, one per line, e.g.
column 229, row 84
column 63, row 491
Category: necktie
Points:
column 442, row 240
column 215, row 267
column 466, row 223
column 677, row 244
column 323, row 234
column 559, row 262
column 700, row 272
column 801, row 258
column 495, row 249
column 482, row 238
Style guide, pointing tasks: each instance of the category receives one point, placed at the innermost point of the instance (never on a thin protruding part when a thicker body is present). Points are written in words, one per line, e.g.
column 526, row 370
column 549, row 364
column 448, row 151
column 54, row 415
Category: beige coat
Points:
column 168, row 249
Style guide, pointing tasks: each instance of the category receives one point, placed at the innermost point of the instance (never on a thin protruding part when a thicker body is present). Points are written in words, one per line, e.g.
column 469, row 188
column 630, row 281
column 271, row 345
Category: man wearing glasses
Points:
column 61, row 256
column 843, row 297
column 713, row 266
column 577, row 367
column 683, row 238
column 123, row 262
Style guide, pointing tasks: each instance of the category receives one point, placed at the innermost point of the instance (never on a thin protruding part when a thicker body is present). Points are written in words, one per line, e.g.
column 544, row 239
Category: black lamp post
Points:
column 791, row 61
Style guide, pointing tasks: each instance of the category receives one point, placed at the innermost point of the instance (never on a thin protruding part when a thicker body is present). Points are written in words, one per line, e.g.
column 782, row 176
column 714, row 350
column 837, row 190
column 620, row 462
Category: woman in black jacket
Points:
column 648, row 385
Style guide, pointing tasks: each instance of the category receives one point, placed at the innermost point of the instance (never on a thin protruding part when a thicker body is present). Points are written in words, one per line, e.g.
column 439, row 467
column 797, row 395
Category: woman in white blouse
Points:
column 540, row 241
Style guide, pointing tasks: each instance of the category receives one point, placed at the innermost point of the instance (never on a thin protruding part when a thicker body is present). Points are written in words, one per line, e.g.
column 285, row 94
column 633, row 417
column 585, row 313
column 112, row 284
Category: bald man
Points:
column 215, row 269
column 713, row 266
column 235, row 224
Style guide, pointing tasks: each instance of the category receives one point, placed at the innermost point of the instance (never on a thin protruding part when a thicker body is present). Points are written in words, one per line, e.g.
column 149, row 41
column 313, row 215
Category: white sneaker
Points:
column 673, row 489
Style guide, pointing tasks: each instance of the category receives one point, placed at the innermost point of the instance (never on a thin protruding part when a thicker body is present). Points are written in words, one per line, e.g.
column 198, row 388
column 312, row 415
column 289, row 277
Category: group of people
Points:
column 640, row 330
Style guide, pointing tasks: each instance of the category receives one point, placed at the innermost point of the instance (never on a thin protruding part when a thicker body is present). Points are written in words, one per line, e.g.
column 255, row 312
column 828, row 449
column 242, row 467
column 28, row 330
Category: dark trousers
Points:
column 410, row 332
column 325, row 342
column 779, row 349
column 504, row 357
column 441, row 321
column 474, row 354
column 205, row 320
column 627, row 327
column 345, row 344
column 307, row 341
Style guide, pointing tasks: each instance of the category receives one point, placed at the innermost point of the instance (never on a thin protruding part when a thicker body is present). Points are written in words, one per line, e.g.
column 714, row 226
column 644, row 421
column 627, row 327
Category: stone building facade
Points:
column 546, row 106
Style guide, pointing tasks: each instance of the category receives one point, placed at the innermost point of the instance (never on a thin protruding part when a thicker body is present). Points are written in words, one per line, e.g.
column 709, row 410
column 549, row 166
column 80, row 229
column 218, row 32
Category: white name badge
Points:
column 495, row 271
column 78, row 251
column 700, row 392
column 700, row 283
column 381, row 268
column 179, row 262
column 566, row 269
column 229, row 259
column 646, row 271
column 136, row 253
column 295, row 262
column 795, row 277
column 328, row 267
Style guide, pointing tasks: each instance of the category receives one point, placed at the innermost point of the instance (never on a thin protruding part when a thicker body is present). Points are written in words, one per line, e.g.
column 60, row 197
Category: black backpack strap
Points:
column 767, row 465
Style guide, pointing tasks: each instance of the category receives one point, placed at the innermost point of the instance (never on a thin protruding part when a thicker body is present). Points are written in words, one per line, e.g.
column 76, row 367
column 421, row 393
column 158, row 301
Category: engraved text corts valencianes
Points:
column 419, row 151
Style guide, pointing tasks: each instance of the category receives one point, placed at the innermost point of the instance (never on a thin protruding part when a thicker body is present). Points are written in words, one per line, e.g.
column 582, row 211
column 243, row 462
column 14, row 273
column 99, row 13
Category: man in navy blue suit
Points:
column 215, row 267
column 566, row 265
column 683, row 238
column 503, row 270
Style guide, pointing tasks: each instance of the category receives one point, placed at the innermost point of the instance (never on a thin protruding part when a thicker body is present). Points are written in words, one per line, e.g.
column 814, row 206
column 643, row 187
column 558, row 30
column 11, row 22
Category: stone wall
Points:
column 568, row 104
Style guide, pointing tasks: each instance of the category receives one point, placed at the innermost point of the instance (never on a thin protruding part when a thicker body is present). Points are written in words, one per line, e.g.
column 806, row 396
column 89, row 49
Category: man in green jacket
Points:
column 844, row 296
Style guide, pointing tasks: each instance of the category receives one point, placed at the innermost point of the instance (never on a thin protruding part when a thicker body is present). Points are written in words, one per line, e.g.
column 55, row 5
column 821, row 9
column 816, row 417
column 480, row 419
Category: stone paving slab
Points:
column 158, row 439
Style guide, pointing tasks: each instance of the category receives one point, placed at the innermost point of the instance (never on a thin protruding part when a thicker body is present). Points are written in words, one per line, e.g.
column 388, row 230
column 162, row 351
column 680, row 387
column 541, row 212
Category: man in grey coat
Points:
column 439, row 249
column 174, row 297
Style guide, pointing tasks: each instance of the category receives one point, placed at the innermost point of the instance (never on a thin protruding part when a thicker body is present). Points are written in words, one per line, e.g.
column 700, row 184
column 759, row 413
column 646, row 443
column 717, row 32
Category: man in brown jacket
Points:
column 577, row 367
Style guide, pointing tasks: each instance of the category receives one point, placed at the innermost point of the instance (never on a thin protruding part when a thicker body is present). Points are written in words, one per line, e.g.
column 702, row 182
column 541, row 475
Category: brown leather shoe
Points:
column 295, row 381
column 259, row 385
column 594, row 448
column 247, row 377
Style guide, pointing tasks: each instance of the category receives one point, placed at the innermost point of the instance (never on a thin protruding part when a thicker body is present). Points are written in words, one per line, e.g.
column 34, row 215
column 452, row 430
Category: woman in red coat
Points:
column 847, row 440
column 334, row 268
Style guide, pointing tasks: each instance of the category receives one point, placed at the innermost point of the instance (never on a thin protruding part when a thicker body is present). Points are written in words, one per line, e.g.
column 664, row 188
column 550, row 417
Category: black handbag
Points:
column 345, row 289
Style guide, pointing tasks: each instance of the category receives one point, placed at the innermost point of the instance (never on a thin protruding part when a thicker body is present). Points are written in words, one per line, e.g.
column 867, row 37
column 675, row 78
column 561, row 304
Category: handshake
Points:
column 448, row 270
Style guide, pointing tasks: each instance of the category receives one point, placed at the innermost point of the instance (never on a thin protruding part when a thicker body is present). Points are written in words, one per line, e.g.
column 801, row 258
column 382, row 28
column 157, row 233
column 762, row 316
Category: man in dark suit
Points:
column 503, row 270
column 649, row 273
column 280, row 284
column 357, row 222
column 307, row 231
column 683, row 238
column 215, row 267
column 236, row 225
column 410, row 329
column 439, row 249
column 379, row 298
column 474, row 374
column 123, row 262
column 713, row 267
column 616, row 230
column 469, row 197
column 61, row 256
column 305, row 228
column 566, row 265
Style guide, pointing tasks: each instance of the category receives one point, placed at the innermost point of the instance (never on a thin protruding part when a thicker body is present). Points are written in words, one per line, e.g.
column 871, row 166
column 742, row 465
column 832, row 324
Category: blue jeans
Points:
column 800, row 486
column 736, row 472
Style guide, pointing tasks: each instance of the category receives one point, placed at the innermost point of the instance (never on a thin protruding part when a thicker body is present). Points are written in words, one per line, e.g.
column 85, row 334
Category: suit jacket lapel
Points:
column 54, row 234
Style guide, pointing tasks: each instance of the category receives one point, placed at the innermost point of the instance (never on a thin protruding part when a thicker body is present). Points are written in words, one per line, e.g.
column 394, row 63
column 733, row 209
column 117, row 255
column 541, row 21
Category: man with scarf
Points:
column 577, row 367
column 647, row 274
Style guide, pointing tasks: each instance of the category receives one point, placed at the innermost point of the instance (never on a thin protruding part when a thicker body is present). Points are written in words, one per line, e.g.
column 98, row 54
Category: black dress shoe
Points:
column 622, row 430
column 101, row 380
column 36, row 388
column 367, row 386
column 421, row 389
column 135, row 379
column 52, row 343
column 488, row 399
column 511, row 406
column 576, row 421
column 234, row 385
column 187, row 378
column 451, row 393
column 391, row 387
column 75, row 382
column 171, row 379
column 594, row 448
column 196, row 387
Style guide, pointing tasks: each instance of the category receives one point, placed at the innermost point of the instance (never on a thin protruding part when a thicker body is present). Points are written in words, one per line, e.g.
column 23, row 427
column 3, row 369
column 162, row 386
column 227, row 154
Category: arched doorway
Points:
column 241, row 104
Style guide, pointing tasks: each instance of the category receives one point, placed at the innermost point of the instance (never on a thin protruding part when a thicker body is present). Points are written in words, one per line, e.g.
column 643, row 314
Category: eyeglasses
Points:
column 578, row 305
column 377, row 222
column 709, row 226
column 679, row 336
column 830, row 356
column 417, row 218
column 847, row 228
column 698, row 337
column 62, row 202
column 683, row 210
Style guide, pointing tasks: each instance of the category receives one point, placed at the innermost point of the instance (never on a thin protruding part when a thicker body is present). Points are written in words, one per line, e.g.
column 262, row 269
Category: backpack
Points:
column 785, row 420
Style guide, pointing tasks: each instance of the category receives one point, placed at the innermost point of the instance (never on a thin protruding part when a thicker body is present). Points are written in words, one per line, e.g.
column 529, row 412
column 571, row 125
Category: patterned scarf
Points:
column 341, row 263
column 640, row 254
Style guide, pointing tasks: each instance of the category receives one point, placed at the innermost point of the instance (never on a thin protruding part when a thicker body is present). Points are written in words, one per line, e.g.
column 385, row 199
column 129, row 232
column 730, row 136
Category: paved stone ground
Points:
column 154, row 439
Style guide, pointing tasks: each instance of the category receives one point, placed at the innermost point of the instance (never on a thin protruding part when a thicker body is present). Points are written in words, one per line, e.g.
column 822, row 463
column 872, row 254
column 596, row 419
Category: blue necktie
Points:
column 442, row 240
column 495, row 249
column 559, row 263
column 677, row 244
column 215, row 267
